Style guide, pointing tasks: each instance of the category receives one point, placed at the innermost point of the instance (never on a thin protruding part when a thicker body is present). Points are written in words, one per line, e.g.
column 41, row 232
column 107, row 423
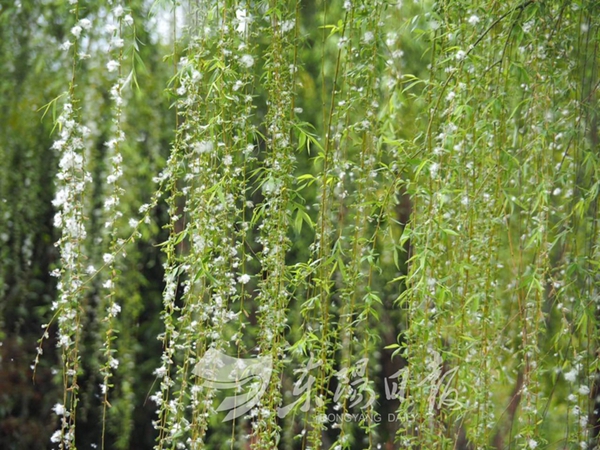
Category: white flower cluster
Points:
column 116, row 172
column 77, row 31
column 473, row 20
column 72, row 180
column 114, row 191
column 247, row 61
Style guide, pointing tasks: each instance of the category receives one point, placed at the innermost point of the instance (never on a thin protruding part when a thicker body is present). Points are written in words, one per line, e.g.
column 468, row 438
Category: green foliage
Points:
column 394, row 205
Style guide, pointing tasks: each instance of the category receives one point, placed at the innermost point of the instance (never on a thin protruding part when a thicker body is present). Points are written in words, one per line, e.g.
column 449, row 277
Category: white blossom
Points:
column 288, row 25
column 58, row 409
column 474, row 20
column 571, row 375
column 117, row 42
column 65, row 45
column 112, row 65
column 76, row 31
column 86, row 24
column 247, row 60
column 114, row 309
column 245, row 278
column 161, row 372
column 203, row 147
column 55, row 438
column 433, row 169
